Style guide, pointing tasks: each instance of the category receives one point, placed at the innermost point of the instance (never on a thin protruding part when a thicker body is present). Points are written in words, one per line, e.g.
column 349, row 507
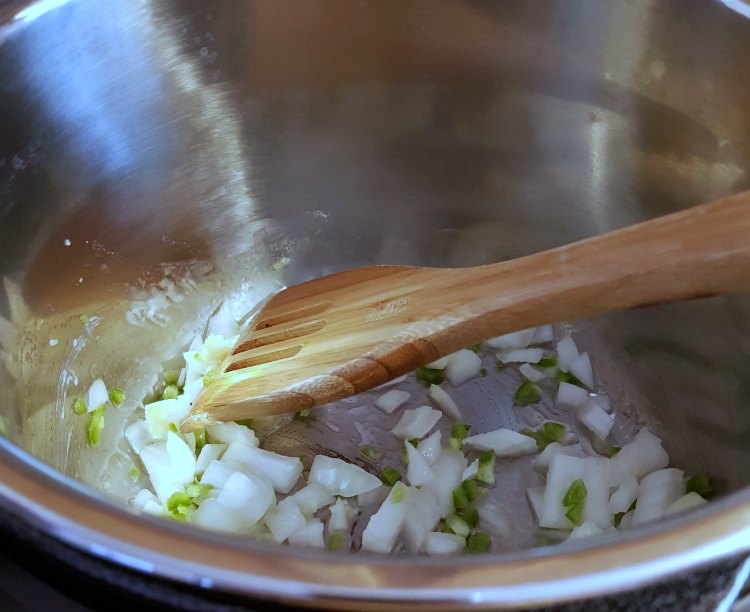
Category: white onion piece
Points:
column 97, row 395
column 310, row 534
column 529, row 355
column 586, row 529
column 596, row 507
column 437, row 543
column 503, row 442
column 211, row 354
column 624, row 496
column 643, row 454
column 567, row 353
column 519, row 339
column 231, row 432
column 442, row 400
column 471, row 471
column 209, row 453
column 418, row 471
column 192, row 390
column 385, row 525
column 392, row 400
column 686, row 502
column 284, row 519
column 213, row 515
column 223, row 323
column 563, row 470
column 462, row 367
column 376, row 496
column 142, row 498
column 248, row 496
column 181, row 458
column 138, row 436
column 535, row 496
column 596, row 420
column 430, row 447
column 218, row 472
column 341, row 478
column 439, row 364
column 571, row 395
column 160, row 415
column 532, row 373
column 158, row 465
column 422, row 516
column 542, row 334
column 448, row 469
column 342, row 513
column 312, row 498
column 657, row 491
column 416, row 422
column 581, row 369
column 626, row 520
column 541, row 464
column 282, row 471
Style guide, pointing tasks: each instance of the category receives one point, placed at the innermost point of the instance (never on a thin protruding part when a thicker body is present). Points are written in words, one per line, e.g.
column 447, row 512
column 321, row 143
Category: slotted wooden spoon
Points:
column 341, row 334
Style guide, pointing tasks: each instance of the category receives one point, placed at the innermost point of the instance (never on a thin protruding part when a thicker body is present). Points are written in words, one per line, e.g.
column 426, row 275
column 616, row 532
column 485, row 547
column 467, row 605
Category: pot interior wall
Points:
column 338, row 134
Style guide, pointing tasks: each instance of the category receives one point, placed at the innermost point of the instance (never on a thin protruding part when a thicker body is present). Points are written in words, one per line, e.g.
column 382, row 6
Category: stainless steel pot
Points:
column 337, row 133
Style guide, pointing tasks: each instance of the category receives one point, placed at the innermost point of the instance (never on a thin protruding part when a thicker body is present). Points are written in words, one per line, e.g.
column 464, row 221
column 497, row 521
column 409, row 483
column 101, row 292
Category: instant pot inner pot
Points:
column 189, row 147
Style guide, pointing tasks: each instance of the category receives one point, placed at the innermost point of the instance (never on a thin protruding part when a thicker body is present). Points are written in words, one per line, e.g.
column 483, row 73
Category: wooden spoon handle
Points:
column 698, row 252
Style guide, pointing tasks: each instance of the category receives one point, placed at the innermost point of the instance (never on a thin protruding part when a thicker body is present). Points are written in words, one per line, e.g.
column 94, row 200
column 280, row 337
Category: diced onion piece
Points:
column 160, row 415
column 686, row 502
column 416, row 422
column 596, row 508
column 211, row 353
column 214, row 515
column 643, row 454
column 342, row 513
column 385, row 525
column 584, row 530
column 503, row 442
column 437, row 543
column 138, row 436
column 542, row 334
column 392, row 400
column 531, row 373
column 448, row 469
column 376, row 496
column 249, row 496
column 462, row 367
column 231, row 432
column 310, row 534
column 626, row 520
column 142, row 497
column 571, row 395
column 439, row 364
column 312, row 498
column 471, row 471
column 567, row 353
column 542, row 461
column 209, row 453
column 422, row 516
column 596, row 419
column 624, row 496
column 535, row 495
column 444, row 401
column 341, row 478
column 284, row 519
column 282, row 471
column 430, row 447
column 529, row 355
column 581, row 369
column 657, row 491
column 168, row 467
column 563, row 470
column 217, row 473
column 418, row 470
column 223, row 323
column 192, row 390
column 519, row 339
column 97, row 395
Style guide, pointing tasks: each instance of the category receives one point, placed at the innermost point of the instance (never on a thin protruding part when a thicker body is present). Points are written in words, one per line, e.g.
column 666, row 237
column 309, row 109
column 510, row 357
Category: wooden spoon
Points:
column 348, row 332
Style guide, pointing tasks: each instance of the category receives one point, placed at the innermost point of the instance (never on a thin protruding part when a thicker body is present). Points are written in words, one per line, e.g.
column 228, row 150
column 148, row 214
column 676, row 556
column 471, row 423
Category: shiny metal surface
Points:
column 340, row 133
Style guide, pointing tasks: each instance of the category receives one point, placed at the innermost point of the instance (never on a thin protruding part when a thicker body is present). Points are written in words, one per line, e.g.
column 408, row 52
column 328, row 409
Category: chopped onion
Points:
column 439, row 364
column 142, row 498
column 97, row 395
column 542, row 334
column 341, row 478
column 192, row 390
column 535, row 495
column 542, row 461
column 310, row 534
column 392, row 400
column 531, row 373
column 444, row 401
column 437, row 543
column 563, row 470
column 571, row 395
column 596, row 508
column 312, row 498
column 529, row 355
column 643, row 454
column 418, row 470
column 422, row 516
column 430, row 447
column 342, row 513
column 584, row 530
column 686, row 502
column 385, row 525
column 218, row 472
column 581, row 369
column 595, row 418
column 462, row 367
column 448, row 469
column 284, row 519
column 209, row 453
column 223, row 323
column 624, row 496
column 626, row 520
column 282, row 471
column 657, row 491
column 416, row 422
column 519, row 339
column 471, row 471
column 248, row 496
column 231, row 432
column 138, row 436
column 567, row 353
column 503, row 442
column 376, row 496
column 214, row 515
column 160, row 415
